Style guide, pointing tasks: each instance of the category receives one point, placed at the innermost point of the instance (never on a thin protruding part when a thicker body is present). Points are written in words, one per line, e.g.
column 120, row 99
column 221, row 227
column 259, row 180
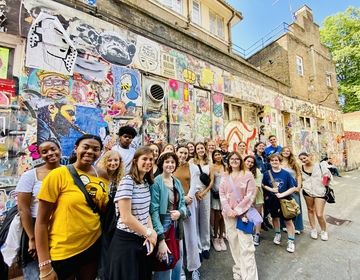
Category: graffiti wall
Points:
column 93, row 77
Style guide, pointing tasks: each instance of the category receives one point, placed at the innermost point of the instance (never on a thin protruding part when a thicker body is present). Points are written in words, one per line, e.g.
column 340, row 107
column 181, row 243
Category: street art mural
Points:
column 217, row 116
column 49, row 47
column 147, row 55
column 3, row 15
column 155, row 130
column 7, row 92
column 237, row 131
column 203, row 115
column 66, row 122
column 127, row 88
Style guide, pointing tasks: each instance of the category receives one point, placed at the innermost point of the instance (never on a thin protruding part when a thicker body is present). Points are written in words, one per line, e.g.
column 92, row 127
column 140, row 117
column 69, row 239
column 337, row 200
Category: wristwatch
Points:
column 148, row 232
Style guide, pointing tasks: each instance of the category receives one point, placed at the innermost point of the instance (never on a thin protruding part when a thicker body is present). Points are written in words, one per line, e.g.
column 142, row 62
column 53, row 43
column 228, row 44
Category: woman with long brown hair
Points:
column 134, row 237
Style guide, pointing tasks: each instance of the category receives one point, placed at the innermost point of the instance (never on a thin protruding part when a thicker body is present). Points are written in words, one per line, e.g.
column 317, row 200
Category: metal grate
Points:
column 156, row 93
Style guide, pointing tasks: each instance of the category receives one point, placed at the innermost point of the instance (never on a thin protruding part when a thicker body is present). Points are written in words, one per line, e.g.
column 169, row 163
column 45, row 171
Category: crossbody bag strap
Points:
column 81, row 186
column 272, row 179
column 201, row 172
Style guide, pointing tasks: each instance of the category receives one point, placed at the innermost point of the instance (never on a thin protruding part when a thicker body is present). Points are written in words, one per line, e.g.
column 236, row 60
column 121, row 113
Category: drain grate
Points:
column 335, row 221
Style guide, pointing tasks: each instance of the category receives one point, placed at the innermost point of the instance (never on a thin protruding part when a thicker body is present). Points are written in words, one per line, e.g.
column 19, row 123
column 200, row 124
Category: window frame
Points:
column 328, row 80
column 214, row 26
column 172, row 5
column 299, row 65
column 198, row 11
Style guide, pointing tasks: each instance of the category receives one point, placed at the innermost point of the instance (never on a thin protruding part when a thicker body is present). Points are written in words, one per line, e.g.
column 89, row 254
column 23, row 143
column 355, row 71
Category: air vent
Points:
column 156, row 93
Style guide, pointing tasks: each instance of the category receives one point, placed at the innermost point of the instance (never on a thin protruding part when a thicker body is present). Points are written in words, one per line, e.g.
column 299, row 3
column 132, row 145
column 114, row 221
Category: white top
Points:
column 126, row 155
column 195, row 183
column 312, row 185
column 140, row 201
column 29, row 183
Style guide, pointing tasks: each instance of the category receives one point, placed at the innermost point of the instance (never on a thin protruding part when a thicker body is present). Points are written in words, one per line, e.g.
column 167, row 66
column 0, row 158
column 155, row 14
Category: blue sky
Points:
column 263, row 16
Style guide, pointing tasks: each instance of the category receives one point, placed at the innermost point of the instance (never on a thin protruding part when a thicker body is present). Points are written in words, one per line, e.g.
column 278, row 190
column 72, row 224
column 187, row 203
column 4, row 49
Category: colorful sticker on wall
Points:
column 181, row 102
column 67, row 122
column 155, row 130
column 127, row 88
column 49, row 47
column 206, row 78
column 168, row 65
column 217, row 116
column 203, row 115
column 147, row 56
column 7, row 91
column 4, row 62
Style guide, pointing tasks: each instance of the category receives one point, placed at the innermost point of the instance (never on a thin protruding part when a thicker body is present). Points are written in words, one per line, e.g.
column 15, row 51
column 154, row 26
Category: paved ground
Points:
column 338, row 258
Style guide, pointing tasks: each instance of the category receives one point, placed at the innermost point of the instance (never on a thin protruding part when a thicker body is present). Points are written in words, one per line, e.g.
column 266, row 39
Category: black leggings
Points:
column 128, row 258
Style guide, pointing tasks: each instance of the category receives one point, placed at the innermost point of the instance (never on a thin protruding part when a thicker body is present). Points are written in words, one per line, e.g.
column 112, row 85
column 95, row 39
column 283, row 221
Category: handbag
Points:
column 171, row 242
column 204, row 178
column 11, row 246
column 289, row 207
column 215, row 194
column 329, row 194
column 247, row 227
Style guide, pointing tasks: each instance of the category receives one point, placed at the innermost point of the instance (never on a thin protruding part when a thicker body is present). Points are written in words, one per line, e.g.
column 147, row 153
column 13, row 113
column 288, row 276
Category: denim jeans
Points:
column 171, row 274
column 31, row 271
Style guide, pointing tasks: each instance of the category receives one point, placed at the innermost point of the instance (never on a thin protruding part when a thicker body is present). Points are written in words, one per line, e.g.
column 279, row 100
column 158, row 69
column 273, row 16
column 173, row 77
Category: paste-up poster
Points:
column 4, row 62
column 203, row 115
column 217, row 116
column 49, row 47
column 127, row 89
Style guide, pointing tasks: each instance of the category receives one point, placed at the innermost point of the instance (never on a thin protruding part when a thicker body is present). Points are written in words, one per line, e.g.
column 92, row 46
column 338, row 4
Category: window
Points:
column 175, row 5
column 328, row 80
column 196, row 13
column 236, row 112
column 226, row 112
column 216, row 24
column 299, row 66
column 305, row 122
column 332, row 126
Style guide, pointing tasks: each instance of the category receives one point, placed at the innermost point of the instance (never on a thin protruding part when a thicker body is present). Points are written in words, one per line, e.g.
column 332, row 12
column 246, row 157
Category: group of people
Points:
column 171, row 204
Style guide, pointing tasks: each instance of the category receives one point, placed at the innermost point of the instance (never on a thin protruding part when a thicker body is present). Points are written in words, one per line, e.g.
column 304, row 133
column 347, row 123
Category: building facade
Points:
column 164, row 67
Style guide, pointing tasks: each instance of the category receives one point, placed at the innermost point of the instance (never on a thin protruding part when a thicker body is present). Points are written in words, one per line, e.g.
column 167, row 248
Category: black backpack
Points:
column 4, row 230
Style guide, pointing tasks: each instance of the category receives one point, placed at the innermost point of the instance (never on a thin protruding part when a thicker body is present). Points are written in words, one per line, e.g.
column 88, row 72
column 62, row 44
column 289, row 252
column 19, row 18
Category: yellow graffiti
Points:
column 207, row 77
column 189, row 76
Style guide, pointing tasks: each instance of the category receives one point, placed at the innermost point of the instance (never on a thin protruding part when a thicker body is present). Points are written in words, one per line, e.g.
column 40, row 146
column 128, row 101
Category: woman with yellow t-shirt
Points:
column 67, row 230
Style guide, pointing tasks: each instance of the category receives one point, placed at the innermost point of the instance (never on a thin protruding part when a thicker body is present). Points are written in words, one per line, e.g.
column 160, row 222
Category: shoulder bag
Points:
column 329, row 194
column 204, row 178
column 171, row 242
column 289, row 208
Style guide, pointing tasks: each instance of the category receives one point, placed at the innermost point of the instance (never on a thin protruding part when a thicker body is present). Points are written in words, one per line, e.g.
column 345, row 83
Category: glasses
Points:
column 234, row 159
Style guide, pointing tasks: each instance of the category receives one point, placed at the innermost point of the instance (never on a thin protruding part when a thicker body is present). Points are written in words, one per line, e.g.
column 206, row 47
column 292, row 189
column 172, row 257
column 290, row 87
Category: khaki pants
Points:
column 242, row 251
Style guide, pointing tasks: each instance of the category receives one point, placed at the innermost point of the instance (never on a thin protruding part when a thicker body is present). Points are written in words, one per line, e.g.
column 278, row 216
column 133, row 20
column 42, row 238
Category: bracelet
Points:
column 44, row 263
column 46, row 275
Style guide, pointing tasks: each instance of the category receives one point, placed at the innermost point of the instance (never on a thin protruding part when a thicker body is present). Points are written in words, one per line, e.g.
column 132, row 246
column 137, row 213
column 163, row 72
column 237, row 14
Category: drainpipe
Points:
column 188, row 14
column 229, row 31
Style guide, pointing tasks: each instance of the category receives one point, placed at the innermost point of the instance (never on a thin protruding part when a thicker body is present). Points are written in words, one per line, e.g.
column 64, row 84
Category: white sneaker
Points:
column 290, row 246
column 284, row 229
column 324, row 235
column 277, row 238
column 236, row 276
column 182, row 276
column 195, row 275
column 298, row 232
column 314, row 233
column 216, row 244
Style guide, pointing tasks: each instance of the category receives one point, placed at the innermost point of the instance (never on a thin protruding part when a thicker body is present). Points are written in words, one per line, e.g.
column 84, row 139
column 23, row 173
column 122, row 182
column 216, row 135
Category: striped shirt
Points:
column 140, row 200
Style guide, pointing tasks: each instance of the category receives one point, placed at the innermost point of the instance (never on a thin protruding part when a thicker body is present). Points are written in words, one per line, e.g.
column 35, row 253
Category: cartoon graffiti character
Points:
column 48, row 37
column 53, row 85
column 148, row 57
column 189, row 76
column 56, row 120
column 115, row 49
column 128, row 84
